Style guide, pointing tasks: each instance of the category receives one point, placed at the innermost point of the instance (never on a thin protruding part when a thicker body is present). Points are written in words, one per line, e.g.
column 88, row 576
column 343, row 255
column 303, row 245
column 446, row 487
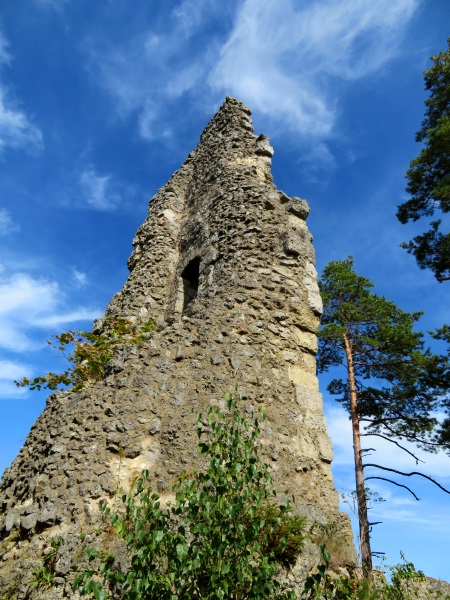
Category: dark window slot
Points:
column 190, row 276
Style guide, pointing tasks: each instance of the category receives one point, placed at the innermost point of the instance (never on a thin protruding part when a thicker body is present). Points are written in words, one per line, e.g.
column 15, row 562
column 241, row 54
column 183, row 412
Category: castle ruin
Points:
column 225, row 263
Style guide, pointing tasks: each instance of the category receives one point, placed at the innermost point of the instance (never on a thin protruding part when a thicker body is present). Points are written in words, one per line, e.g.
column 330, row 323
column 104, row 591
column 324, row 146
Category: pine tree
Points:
column 443, row 431
column 392, row 382
column 428, row 175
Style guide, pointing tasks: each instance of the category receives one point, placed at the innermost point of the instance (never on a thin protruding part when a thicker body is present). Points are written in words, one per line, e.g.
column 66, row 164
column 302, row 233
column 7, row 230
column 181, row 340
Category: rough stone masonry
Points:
column 225, row 263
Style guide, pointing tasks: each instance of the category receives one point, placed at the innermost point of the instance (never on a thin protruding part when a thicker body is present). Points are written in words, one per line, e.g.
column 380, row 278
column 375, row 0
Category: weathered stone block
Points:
column 47, row 515
column 298, row 207
column 11, row 520
column 308, row 399
column 325, row 447
column 28, row 522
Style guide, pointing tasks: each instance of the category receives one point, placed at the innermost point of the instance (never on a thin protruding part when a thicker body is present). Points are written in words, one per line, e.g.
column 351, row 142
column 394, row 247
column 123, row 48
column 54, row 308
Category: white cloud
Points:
column 5, row 57
column 318, row 158
column 16, row 129
column 21, row 292
column 8, row 388
column 7, row 225
column 12, row 370
column 291, row 71
column 285, row 59
column 399, row 506
column 64, row 318
column 98, row 191
column 79, row 277
column 189, row 16
column 27, row 303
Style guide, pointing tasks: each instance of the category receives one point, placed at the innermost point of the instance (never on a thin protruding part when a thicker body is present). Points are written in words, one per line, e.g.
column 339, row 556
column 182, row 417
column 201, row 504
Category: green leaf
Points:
column 182, row 551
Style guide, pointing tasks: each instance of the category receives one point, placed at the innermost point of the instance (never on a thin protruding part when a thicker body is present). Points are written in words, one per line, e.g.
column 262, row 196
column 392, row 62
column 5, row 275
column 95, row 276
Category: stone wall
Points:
column 225, row 263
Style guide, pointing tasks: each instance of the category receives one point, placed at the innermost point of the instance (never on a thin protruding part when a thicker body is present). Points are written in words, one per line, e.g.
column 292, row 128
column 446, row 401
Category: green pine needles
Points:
column 224, row 536
column 428, row 175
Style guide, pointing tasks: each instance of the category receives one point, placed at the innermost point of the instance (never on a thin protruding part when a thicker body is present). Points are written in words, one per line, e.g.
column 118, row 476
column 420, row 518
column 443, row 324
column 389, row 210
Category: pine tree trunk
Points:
column 364, row 537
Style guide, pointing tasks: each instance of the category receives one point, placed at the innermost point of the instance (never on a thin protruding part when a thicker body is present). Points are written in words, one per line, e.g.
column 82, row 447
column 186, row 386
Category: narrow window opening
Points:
column 190, row 276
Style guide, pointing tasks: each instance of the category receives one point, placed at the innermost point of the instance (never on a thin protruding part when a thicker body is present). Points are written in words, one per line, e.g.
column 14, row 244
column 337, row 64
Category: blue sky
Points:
column 100, row 102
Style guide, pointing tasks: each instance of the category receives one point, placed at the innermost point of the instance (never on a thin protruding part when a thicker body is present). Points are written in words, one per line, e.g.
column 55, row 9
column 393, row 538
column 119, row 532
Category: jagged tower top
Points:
column 229, row 135
column 218, row 175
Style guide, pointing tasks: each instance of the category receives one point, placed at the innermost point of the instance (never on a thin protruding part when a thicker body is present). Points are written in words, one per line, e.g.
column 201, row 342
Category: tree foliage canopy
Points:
column 443, row 431
column 398, row 381
column 428, row 175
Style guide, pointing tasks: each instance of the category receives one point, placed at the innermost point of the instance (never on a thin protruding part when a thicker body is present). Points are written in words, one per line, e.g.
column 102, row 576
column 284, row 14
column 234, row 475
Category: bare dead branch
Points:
column 409, row 475
column 418, row 460
column 409, row 436
column 395, row 483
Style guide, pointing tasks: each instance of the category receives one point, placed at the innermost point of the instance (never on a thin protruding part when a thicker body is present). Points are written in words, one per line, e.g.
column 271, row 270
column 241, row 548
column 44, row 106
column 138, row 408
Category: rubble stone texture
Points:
column 225, row 263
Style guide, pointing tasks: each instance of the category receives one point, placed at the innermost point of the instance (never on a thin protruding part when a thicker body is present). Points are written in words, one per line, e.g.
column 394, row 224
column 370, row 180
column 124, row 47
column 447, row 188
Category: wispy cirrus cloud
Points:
column 386, row 453
column 154, row 69
column 53, row 4
column 79, row 277
column 16, row 128
column 86, row 187
column 292, row 72
column 397, row 505
column 9, row 372
column 7, row 225
column 98, row 191
column 189, row 15
column 5, row 56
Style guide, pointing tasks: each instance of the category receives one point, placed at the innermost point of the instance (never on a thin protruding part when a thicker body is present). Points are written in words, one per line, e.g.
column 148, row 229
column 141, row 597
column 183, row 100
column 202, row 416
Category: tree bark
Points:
column 364, row 536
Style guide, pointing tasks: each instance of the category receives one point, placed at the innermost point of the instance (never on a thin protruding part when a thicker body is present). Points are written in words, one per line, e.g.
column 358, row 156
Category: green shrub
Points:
column 45, row 575
column 404, row 584
column 87, row 354
column 224, row 536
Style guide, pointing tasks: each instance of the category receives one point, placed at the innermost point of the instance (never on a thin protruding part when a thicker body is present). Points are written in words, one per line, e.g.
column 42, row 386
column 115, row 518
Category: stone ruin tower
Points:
column 224, row 262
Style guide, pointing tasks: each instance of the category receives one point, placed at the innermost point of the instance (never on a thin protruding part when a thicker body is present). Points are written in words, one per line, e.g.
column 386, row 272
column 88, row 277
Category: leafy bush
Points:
column 224, row 536
column 45, row 575
column 404, row 585
column 88, row 354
